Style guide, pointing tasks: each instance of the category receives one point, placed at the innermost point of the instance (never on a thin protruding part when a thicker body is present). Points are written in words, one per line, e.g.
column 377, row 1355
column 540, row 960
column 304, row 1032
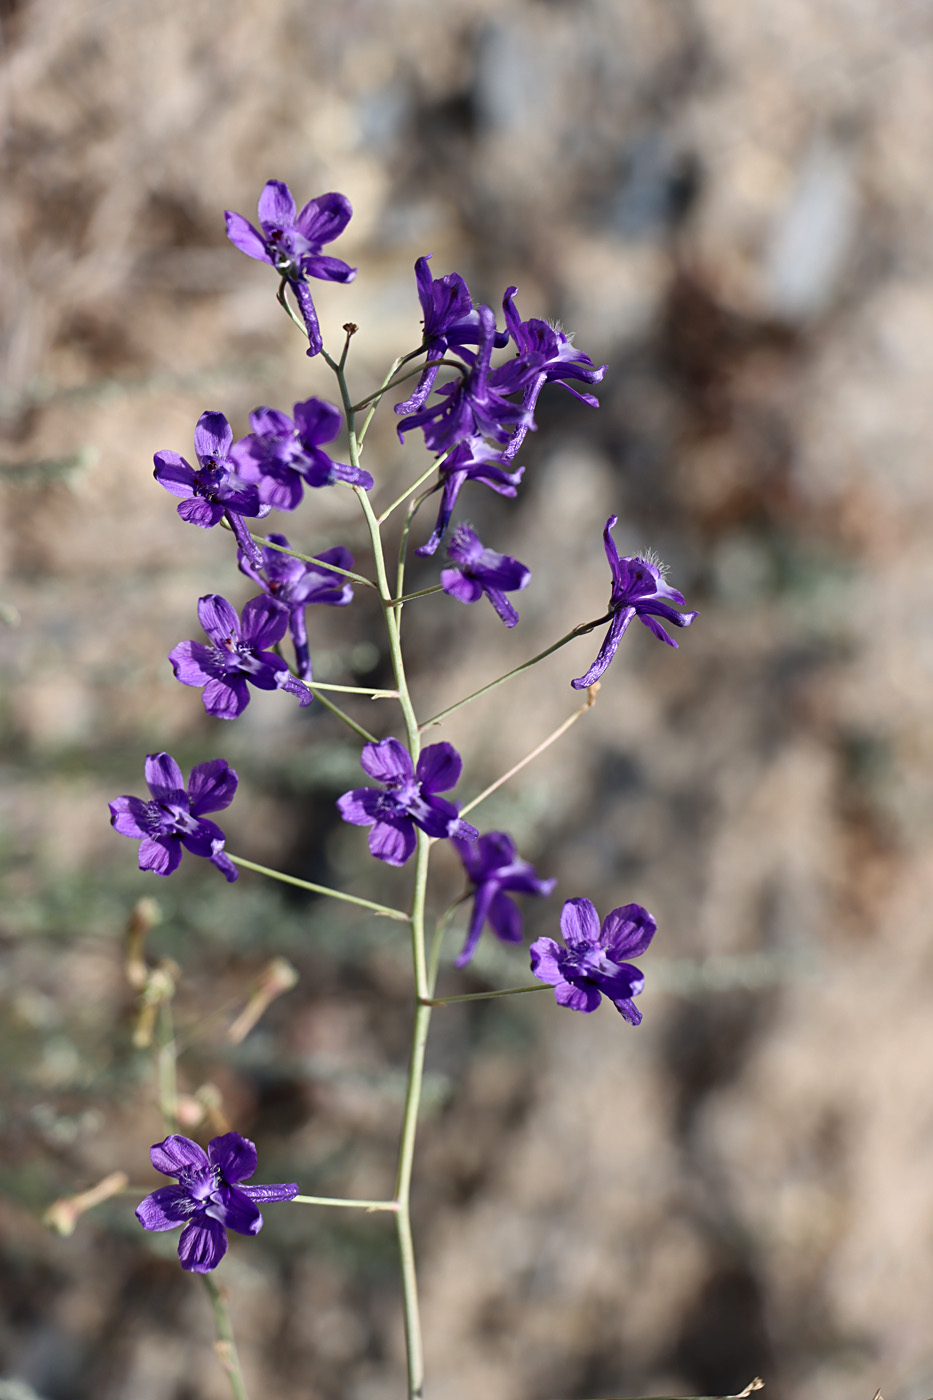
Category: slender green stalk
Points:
column 283, row 301
column 422, row 593
column 354, row 690
column 381, row 909
column 225, row 1346
column 393, row 384
column 545, row 744
column 410, row 490
column 347, row 719
column 383, row 388
column 487, row 996
column 348, row 1204
column 310, row 559
column 579, row 631
column 422, row 1014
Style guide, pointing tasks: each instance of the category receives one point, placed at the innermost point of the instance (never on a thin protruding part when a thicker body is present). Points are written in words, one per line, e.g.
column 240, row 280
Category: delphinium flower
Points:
column 175, row 815
column 449, row 320
column 496, row 872
column 283, row 455
column 292, row 243
column 209, row 1198
column 592, row 963
column 638, row 590
column 545, row 355
column 471, row 405
column 408, row 798
column 214, row 490
column 294, row 583
column 471, row 460
column 237, row 654
column 479, row 570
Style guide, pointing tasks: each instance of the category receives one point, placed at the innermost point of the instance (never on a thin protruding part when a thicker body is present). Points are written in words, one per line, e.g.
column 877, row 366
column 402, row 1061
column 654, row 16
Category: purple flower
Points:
column 294, row 583
column 638, row 590
column 480, row 570
column 408, row 799
column 449, row 319
column 214, row 490
column 471, row 405
column 282, row 456
column 494, row 868
column 591, row 964
column 472, row 460
column 236, row 655
column 292, row 243
column 209, row 1199
column 175, row 816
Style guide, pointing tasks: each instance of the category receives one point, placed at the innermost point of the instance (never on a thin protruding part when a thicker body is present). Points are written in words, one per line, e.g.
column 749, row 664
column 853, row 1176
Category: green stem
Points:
column 422, row 593
column 225, row 1345
column 310, row 559
column 347, row 720
column 393, row 384
column 578, row 631
column 282, row 299
column 410, row 490
column 487, row 996
column 382, row 909
column 545, row 744
column 422, row 1014
column 383, row 388
column 347, row 1204
column 354, row 690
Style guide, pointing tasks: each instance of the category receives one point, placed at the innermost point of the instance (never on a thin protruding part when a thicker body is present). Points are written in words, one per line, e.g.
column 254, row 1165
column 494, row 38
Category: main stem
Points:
column 422, row 1017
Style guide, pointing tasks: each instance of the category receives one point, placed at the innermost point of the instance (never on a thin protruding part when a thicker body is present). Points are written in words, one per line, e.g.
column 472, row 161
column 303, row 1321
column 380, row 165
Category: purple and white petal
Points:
column 225, row 697
column 218, row 618
column 546, row 957
column 392, row 843
column 362, row 806
column 201, row 512
column 323, row 219
column 276, row 205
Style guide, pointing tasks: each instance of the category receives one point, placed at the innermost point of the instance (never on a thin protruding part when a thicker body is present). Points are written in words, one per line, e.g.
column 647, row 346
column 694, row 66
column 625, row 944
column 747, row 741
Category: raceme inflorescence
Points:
column 476, row 391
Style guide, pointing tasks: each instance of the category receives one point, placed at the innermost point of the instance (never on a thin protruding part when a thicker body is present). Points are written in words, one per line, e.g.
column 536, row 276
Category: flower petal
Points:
column 505, row 918
column 202, row 1245
column 439, row 768
column 264, row 622
column 226, row 697
column 387, row 761
column 243, row 236
column 160, row 854
column 323, row 219
column 192, row 662
column 627, row 931
column 213, row 436
column 585, row 998
column 234, row 1154
column 165, row 780
column 391, row 843
column 176, row 1154
column 283, row 1191
column 579, row 923
column 165, row 1209
column 174, row 473
column 126, row 816
column 211, row 787
column 545, row 961
column 607, row 651
column 276, row 205
column 235, row 1211
column 218, row 618
column 362, row 806
column 198, row 511
column 317, row 421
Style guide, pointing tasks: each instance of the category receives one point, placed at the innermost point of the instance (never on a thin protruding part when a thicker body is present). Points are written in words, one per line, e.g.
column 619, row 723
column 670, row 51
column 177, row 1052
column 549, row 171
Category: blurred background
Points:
column 730, row 205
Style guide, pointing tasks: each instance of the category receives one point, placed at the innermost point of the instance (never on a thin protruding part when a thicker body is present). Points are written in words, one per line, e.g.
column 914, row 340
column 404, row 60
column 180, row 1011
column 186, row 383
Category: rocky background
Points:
column 729, row 204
